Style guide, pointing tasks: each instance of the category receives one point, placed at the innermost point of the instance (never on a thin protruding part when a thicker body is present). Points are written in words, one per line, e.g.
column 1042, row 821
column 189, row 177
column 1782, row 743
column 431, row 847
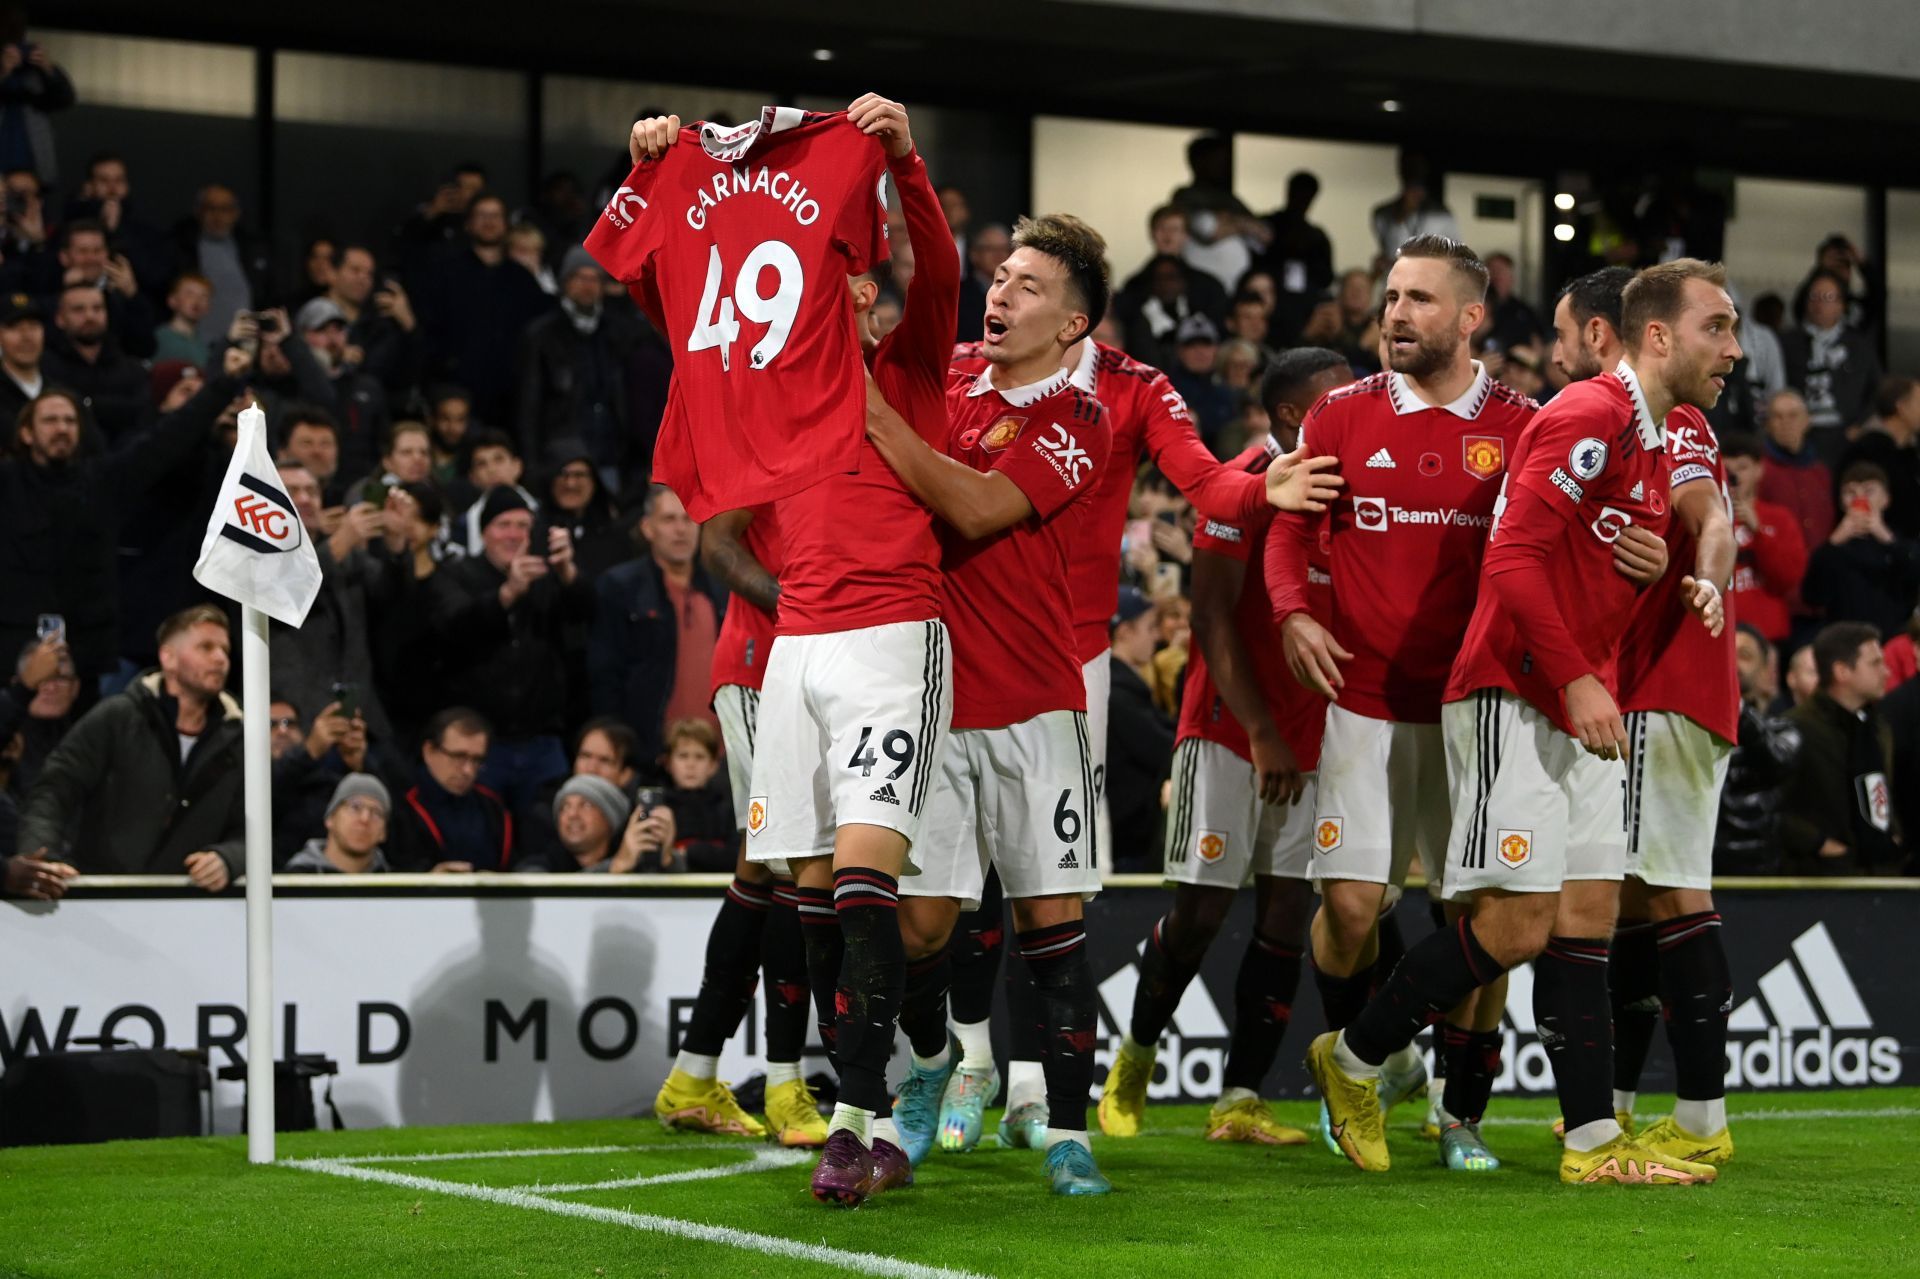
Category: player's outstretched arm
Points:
column 1699, row 505
column 976, row 504
column 724, row 553
column 1296, row 482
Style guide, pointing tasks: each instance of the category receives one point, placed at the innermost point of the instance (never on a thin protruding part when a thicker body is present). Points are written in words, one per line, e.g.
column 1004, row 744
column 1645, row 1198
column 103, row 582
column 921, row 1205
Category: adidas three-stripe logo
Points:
column 1069, row 862
column 1791, row 1000
column 1381, row 460
column 885, row 794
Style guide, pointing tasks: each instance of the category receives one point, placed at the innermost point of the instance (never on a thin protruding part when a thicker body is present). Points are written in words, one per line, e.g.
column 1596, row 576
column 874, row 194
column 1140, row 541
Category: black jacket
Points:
column 507, row 664
column 427, row 822
column 574, row 384
column 138, row 809
column 472, row 316
column 1747, row 839
column 1902, row 466
column 1865, row 580
column 631, row 655
column 114, row 387
column 706, row 835
column 58, row 527
column 1139, row 759
column 1829, row 794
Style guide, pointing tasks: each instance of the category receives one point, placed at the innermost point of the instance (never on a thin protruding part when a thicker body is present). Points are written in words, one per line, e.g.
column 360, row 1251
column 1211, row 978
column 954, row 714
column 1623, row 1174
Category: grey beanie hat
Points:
column 354, row 785
column 599, row 792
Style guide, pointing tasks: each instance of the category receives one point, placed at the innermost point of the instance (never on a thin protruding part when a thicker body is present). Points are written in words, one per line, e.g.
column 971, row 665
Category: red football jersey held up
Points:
column 860, row 549
column 746, row 633
column 1006, row 600
column 1146, row 416
column 1298, row 712
column 1552, row 606
column 737, row 244
column 1406, row 535
column 1669, row 661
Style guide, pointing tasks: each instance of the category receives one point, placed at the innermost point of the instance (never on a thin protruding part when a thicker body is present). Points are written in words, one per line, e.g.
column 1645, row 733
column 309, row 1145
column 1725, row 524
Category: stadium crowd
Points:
column 509, row 664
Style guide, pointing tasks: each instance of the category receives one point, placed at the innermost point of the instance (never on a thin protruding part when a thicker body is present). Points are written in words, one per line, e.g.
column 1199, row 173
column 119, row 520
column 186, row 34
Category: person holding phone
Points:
column 1865, row 572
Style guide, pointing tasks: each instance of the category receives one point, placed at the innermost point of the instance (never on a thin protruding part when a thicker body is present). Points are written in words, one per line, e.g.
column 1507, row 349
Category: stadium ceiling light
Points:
column 1390, row 105
column 1563, row 232
column 823, row 55
column 1563, row 201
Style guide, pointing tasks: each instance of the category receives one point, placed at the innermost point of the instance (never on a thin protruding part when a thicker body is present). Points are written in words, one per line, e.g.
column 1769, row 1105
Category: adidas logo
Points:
column 1786, row 1006
column 1069, row 862
column 1382, row 461
column 885, row 795
column 1192, row 1060
column 1639, row 493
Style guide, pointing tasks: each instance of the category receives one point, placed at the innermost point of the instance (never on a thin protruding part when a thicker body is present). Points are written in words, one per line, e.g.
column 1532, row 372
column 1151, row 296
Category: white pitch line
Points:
column 865, row 1263
column 1745, row 1116
column 761, row 1161
column 518, row 1153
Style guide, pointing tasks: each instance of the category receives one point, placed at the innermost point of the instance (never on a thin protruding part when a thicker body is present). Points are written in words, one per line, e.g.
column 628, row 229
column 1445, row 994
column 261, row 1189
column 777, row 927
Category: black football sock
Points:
column 826, row 952
column 873, row 975
column 783, row 960
column 923, row 1008
column 1439, row 972
column 732, row 969
column 1473, row 1060
column 1696, row 990
column 1393, row 949
column 978, row 938
column 1342, row 998
column 1164, row 977
column 1063, row 983
column 1633, row 985
column 1573, row 1013
column 1262, row 1007
column 1026, row 1030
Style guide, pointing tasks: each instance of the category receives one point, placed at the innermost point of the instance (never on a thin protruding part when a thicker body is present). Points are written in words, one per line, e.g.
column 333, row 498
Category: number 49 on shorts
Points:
column 897, row 745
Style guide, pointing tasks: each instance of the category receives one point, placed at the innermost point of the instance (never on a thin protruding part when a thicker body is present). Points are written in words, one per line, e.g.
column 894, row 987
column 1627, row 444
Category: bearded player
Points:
column 1242, row 804
column 1528, row 706
column 1016, row 787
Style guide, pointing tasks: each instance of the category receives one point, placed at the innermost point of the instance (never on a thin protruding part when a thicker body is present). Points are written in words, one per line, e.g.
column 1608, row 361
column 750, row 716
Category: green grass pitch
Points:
column 1823, row 1183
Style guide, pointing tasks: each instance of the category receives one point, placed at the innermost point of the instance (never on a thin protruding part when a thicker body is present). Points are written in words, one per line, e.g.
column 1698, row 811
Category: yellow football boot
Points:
column 793, row 1112
column 1668, row 1138
column 1353, row 1108
column 703, row 1105
column 1249, row 1120
column 1629, row 1161
column 1123, row 1101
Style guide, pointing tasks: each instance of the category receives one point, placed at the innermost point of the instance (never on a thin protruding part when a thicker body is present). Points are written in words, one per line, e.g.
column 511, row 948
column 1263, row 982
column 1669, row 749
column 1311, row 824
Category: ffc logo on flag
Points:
column 256, row 549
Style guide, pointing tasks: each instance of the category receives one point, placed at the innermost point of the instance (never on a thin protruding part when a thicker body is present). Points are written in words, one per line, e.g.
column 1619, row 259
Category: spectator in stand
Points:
column 573, row 364
column 1358, row 337
column 499, row 619
column 492, row 463
column 449, row 413
column 1832, row 365
column 475, row 304
column 307, row 764
column 37, row 708
column 656, row 618
column 1198, row 353
column 1416, row 210
column 60, row 514
column 1836, row 810
column 1864, row 573
column 603, row 748
column 23, row 346
column 1891, row 441
column 527, row 245
column 1510, row 321
column 434, row 227
column 407, row 459
column 85, row 259
column 986, row 250
column 31, row 87
column 1222, row 233
column 315, row 274
column 1248, row 319
column 26, row 243
column 1772, row 558
column 326, row 373
column 706, row 837
column 87, row 359
column 149, row 781
column 1298, row 258
column 212, row 244
column 1801, row 681
column 381, row 329
column 601, row 832
column 312, row 439
column 959, row 216
column 1901, row 709
column 1746, row 840
column 1173, row 633
column 1193, row 289
column 356, row 826
column 1864, row 291
column 1795, row 477
column 1139, row 738
column 447, row 821
column 410, row 669
column 576, row 501
column 188, row 301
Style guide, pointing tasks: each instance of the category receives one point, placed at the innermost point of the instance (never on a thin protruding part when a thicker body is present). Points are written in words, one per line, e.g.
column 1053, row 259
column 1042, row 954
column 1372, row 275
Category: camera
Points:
column 348, row 697
column 51, row 626
column 649, row 798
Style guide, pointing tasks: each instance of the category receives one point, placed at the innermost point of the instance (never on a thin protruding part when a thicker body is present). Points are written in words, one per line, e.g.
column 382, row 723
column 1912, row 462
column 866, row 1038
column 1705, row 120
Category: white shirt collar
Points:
column 1086, row 368
column 1467, row 407
column 732, row 144
column 1273, row 445
column 1653, row 435
column 1021, row 396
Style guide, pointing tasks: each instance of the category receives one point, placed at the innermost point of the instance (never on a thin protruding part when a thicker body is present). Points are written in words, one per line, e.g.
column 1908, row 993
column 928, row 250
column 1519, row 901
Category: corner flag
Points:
column 257, row 551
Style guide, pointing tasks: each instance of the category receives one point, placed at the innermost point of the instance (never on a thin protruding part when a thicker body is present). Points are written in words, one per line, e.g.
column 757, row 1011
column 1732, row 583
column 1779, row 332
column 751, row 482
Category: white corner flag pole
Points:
column 257, row 747
column 257, row 553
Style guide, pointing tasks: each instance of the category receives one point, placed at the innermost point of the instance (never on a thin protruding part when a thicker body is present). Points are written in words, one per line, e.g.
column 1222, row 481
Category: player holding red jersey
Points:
column 1148, row 419
column 1527, row 701
column 857, row 696
column 1239, row 810
column 758, row 924
column 1016, row 787
column 1422, row 449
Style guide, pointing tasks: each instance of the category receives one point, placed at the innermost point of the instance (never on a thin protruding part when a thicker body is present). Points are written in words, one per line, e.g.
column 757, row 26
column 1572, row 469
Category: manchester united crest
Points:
column 1001, row 433
column 1327, row 835
column 1211, row 847
column 1515, row 847
column 1484, row 456
column 756, row 815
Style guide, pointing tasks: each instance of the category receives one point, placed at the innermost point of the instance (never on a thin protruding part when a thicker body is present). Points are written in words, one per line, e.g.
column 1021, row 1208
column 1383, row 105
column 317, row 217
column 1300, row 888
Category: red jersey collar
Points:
column 730, row 145
column 1021, row 396
column 1467, row 407
column 1653, row 435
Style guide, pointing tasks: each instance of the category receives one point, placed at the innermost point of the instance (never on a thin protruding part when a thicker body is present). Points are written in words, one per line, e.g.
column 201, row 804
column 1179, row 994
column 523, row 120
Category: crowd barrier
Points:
column 488, row 998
